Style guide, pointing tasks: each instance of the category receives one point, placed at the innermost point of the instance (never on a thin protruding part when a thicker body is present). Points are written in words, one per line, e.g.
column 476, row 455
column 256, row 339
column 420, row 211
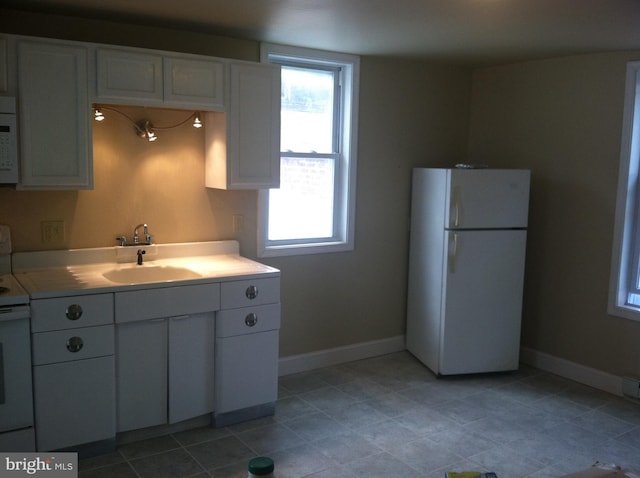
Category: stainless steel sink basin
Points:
column 149, row 273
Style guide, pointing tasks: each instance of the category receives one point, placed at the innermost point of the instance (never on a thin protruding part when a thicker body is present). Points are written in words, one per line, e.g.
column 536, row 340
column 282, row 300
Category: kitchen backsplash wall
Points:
column 135, row 181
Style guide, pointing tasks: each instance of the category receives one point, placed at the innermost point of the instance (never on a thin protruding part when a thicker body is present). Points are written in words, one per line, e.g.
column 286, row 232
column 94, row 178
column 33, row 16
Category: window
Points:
column 624, row 295
column 314, row 209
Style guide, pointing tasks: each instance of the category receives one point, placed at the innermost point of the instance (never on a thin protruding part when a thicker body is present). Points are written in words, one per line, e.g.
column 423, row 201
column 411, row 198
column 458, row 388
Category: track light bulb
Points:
column 196, row 121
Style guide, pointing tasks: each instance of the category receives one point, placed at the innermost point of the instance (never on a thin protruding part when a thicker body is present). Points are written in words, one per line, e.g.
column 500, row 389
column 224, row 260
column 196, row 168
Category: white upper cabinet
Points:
column 196, row 82
column 243, row 148
column 131, row 76
column 53, row 106
column 4, row 66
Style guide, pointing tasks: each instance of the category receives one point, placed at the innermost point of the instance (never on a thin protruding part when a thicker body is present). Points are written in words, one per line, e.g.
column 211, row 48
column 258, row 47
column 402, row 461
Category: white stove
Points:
column 16, row 398
column 11, row 292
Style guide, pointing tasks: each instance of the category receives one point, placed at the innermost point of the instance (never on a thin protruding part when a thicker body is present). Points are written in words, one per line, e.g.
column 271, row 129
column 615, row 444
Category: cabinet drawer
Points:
column 71, row 312
column 247, row 293
column 73, row 344
column 248, row 320
column 166, row 302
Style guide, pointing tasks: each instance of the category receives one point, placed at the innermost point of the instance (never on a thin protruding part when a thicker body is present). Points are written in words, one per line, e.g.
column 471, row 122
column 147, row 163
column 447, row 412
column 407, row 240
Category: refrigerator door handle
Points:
column 456, row 206
column 453, row 255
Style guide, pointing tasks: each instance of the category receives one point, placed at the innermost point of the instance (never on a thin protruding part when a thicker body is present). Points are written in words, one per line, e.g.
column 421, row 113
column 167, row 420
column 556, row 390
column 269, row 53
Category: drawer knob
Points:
column 74, row 344
column 251, row 292
column 251, row 319
column 74, row 312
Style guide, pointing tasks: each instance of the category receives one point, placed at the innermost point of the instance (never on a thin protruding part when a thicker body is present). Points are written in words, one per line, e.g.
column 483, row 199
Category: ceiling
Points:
column 475, row 32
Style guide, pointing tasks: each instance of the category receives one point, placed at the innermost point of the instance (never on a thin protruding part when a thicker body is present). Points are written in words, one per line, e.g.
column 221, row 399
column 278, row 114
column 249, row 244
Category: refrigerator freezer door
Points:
column 480, row 327
column 487, row 198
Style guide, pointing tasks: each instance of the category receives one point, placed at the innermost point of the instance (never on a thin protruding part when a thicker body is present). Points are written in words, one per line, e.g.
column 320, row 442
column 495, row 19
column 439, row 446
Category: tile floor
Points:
column 391, row 417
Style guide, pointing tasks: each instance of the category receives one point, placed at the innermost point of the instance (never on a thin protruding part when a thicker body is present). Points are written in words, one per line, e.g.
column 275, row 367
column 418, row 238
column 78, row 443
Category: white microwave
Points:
column 8, row 141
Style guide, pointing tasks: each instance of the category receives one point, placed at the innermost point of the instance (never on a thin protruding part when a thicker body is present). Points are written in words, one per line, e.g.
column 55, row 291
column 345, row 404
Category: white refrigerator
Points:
column 466, row 268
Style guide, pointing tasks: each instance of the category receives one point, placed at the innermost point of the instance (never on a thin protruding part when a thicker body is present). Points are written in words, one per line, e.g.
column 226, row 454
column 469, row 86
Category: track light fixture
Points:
column 143, row 128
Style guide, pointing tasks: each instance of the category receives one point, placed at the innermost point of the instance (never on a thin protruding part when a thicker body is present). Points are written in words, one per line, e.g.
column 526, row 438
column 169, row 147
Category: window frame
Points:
column 345, row 166
column 626, row 240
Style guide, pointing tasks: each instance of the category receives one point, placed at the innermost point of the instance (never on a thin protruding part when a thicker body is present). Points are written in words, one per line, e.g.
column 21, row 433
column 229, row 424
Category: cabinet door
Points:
column 191, row 343
column 55, row 130
column 196, row 83
column 244, row 151
column 141, row 374
column 4, row 67
column 129, row 77
column 246, row 371
column 74, row 402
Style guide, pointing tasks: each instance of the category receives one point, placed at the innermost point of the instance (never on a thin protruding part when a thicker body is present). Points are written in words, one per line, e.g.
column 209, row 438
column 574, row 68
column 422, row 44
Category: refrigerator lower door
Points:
column 482, row 302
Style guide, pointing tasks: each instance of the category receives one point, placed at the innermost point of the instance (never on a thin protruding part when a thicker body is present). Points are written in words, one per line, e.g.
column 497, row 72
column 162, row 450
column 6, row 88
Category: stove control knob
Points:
column 74, row 312
column 74, row 344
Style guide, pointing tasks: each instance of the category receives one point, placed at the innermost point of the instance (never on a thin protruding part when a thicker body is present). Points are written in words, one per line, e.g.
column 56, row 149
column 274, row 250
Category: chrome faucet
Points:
column 147, row 237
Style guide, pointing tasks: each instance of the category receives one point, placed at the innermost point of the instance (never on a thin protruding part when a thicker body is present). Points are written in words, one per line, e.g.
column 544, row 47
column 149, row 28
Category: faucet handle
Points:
column 149, row 239
column 122, row 239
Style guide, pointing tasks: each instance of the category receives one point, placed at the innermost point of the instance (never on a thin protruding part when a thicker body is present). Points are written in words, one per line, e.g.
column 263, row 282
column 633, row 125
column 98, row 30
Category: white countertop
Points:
column 47, row 274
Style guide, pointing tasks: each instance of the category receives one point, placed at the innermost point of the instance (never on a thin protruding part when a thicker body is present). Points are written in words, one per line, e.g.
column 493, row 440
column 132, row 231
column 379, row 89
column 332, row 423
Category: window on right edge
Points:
column 313, row 211
column 624, row 293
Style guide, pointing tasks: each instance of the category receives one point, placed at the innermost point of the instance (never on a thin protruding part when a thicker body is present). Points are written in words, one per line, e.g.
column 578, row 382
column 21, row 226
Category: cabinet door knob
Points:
column 74, row 344
column 251, row 319
column 251, row 292
column 74, row 312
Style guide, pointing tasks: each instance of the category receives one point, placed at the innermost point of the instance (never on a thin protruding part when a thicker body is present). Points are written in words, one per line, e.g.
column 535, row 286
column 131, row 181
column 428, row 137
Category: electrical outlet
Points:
column 52, row 232
column 238, row 223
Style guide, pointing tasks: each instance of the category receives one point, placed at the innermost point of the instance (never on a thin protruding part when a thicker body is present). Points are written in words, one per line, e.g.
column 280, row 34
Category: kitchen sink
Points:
column 149, row 273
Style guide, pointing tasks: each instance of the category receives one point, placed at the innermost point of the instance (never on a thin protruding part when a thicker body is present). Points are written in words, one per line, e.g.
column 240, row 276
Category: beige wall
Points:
column 411, row 114
column 562, row 118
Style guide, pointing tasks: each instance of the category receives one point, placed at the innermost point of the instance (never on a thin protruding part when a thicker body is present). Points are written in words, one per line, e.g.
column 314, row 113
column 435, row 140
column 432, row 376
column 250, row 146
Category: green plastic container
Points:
column 261, row 466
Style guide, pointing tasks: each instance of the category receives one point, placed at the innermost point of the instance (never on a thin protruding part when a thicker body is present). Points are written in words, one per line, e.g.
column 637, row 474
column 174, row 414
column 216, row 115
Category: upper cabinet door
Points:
column 55, row 130
column 242, row 148
column 254, row 126
column 193, row 82
column 129, row 77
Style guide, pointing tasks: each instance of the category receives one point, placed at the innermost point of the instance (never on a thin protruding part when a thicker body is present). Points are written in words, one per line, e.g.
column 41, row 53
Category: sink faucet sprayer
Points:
column 140, row 253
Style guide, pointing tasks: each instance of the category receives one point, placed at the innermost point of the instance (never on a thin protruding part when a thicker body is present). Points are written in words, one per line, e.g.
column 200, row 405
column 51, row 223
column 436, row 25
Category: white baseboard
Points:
column 574, row 371
column 324, row 358
column 338, row 355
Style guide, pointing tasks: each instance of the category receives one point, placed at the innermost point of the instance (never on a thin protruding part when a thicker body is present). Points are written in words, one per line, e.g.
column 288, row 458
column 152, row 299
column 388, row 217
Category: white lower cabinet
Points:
column 247, row 339
column 141, row 371
column 73, row 370
column 247, row 371
column 74, row 402
column 191, row 367
column 165, row 370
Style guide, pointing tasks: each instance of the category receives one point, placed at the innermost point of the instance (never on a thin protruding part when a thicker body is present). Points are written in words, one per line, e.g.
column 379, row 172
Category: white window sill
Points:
column 302, row 249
